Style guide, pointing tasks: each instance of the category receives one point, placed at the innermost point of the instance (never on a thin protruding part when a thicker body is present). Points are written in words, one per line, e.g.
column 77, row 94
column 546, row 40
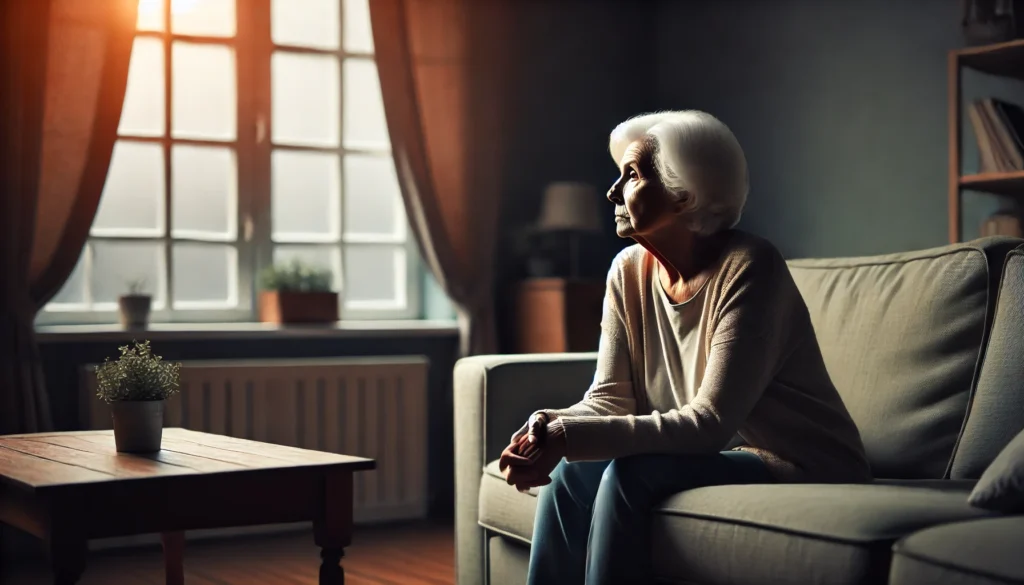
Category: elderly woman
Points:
column 708, row 370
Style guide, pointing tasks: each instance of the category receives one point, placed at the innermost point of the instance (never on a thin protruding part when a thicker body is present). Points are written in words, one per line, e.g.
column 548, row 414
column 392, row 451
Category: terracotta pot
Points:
column 135, row 311
column 284, row 307
column 138, row 425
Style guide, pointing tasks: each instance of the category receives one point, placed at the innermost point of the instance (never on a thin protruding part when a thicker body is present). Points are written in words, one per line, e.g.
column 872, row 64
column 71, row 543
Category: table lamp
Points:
column 570, row 207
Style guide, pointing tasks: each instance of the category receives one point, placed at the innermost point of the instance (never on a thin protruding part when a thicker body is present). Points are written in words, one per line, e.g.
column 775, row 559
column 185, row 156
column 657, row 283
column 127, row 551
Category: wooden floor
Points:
column 415, row 554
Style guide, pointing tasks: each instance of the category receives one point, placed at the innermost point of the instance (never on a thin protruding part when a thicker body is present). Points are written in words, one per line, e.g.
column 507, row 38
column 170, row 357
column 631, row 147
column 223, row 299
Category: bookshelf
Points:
column 1001, row 59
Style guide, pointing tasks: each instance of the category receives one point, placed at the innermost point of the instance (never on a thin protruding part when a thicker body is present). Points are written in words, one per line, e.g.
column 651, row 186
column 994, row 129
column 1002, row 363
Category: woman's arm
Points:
column 611, row 393
column 749, row 338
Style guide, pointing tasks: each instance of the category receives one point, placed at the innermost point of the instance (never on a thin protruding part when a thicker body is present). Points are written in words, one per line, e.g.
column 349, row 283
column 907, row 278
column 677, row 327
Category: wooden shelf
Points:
column 999, row 183
column 1001, row 59
column 1006, row 59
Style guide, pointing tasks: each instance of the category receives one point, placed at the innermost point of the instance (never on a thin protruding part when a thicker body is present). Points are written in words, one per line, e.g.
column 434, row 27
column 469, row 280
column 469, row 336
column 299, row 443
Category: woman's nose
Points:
column 615, row 193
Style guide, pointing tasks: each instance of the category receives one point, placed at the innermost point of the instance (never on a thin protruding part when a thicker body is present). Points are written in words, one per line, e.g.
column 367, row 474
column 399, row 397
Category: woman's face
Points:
column 642, row 204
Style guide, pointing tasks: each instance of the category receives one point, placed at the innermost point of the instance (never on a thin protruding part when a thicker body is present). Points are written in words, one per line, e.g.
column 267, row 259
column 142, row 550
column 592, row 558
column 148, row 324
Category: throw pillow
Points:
column 1001, row 487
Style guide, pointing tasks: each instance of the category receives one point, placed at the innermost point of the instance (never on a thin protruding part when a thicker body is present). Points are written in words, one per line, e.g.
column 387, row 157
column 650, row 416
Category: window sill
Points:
column 186, row 331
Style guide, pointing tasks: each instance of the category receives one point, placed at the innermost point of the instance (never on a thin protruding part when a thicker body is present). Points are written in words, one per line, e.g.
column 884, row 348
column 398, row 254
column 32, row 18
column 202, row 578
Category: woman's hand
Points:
column 533, row 431
column 534, row 469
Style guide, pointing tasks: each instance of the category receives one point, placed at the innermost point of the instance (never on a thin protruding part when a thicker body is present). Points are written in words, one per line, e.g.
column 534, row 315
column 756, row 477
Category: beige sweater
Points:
column 764, row 385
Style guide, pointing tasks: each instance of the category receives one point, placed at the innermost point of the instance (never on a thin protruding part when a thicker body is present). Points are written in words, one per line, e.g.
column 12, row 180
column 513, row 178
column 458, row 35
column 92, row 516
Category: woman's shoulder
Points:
column 750, row 260
column 629, row 267
column 629, row 257
column 746, row 249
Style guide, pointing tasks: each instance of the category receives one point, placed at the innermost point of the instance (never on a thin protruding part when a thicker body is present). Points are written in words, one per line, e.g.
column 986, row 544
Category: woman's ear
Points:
column 682, row 203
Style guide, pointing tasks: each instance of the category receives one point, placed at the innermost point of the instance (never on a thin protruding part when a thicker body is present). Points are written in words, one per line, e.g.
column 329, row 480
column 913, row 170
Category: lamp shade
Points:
column 570, row 206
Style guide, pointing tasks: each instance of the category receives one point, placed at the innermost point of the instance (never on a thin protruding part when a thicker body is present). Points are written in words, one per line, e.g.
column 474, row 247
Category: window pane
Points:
column 204, row 100
column 151, row 15
column 364, row 108
column 305, row 23
column 116, row 265
column 305, row 99
column 358, row 33
column 304, row 196
column 375, row 274
column 373, row 203
column 143, row 110
column 133, row 196
column 204, row 180
column 328, row 257
column 209, row 18
column 204, row 274
column 73, row 291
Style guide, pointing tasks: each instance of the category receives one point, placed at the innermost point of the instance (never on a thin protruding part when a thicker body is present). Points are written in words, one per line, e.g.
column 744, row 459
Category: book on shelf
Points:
column 999, row 130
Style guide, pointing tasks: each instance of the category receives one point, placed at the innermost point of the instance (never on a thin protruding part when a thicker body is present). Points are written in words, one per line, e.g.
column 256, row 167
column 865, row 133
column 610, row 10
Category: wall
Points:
column 841, row 107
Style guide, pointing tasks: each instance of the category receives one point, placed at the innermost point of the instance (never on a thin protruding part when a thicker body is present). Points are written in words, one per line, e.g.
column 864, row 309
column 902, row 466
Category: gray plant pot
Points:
column 135, row 310
column 138, row 425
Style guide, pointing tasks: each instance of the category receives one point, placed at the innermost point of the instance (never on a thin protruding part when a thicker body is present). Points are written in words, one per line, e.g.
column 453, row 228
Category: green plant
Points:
column 137, row 286
column 137, row 375
column 296, row 276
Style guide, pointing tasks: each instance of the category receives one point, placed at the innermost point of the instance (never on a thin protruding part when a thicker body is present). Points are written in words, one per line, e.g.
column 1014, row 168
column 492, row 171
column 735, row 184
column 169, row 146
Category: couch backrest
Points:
column 901, row 335
column 996, row 412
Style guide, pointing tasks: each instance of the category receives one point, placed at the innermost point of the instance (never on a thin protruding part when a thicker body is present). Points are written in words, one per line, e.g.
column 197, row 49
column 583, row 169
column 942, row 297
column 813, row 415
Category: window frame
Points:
column 253, row 148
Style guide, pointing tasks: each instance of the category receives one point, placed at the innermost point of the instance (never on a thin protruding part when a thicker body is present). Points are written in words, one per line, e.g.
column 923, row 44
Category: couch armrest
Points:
column 494, row 395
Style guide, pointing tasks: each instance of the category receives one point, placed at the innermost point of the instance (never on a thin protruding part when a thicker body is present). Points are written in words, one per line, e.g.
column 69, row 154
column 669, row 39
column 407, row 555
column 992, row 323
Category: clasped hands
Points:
column 533, row 453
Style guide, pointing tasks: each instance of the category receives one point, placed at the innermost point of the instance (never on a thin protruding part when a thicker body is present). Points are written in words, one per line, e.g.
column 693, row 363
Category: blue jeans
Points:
column 593, row 521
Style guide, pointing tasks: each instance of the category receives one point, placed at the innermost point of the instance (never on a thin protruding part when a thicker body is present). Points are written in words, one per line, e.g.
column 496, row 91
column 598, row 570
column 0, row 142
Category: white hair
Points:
column 697, row 158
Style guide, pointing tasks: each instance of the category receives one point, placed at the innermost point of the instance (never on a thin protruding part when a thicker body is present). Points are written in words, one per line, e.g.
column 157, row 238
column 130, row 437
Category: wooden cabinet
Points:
column 556, row 315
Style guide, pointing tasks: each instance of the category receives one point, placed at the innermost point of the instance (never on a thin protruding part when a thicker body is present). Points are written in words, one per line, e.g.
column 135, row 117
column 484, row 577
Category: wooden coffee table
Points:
column 67, row 488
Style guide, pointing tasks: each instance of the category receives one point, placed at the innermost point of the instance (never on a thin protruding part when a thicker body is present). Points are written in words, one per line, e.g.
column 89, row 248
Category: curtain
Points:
column 443, row 103
column 63, row 72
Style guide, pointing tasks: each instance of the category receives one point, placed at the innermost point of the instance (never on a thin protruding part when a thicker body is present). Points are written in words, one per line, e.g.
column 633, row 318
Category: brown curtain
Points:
column 442, row 99
column 63, row 72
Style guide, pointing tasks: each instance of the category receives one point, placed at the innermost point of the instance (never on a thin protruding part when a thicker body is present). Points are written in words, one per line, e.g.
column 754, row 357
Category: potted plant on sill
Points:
column 135, row 305
column 136, row 386
column 297, row 293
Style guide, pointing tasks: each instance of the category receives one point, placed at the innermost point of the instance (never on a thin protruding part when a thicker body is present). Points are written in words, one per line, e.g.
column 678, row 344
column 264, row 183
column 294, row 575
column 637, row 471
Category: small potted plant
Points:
column 136, row 386
column 135, row 305
column 297, row 293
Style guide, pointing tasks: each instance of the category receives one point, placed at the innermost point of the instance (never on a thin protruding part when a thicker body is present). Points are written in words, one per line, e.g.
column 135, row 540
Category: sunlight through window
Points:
column 219, row 172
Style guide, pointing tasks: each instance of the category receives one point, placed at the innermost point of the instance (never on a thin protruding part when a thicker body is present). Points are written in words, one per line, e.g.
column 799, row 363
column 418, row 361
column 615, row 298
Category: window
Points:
column 251, row 133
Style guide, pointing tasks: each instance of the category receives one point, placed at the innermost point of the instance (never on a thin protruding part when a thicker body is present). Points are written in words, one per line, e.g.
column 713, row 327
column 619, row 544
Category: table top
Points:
column 49, row 460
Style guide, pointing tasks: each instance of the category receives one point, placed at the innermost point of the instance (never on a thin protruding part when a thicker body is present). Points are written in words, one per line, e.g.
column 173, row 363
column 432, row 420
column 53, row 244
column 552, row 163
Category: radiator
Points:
column 371, row 407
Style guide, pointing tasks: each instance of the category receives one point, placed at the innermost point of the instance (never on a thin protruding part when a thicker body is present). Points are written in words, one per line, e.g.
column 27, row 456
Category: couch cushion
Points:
column 901, row 335
column 997, row 408
column 981, row 552
column 799, row 533
column 1001, row 487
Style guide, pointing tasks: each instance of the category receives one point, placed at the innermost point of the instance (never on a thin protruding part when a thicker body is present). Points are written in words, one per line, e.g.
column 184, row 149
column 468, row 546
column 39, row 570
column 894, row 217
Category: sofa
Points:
column 926, row 349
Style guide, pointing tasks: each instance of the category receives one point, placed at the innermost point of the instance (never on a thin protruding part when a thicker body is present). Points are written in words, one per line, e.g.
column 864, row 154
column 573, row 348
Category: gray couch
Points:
column 930, row 366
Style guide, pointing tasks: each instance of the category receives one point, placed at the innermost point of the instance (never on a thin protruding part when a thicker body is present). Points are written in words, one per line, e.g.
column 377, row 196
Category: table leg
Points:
column 331, row 571
column 332, row 527
column 174, row 550
column 67, row 558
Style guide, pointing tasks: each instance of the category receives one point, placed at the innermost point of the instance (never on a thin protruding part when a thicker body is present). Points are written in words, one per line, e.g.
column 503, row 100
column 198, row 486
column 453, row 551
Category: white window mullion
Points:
column 168, row 219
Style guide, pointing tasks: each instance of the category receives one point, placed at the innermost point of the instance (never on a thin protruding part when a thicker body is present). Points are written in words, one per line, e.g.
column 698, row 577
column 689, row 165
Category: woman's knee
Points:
column 634, row 476
column 576, row 480
column 623, row 477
